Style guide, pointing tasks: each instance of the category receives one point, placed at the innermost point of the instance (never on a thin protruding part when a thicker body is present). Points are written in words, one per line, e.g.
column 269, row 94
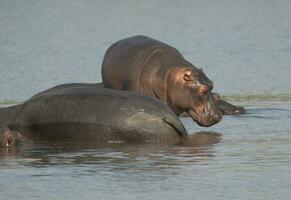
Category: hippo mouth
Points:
column 202, row 119
column 197, row 118
column 206, row 115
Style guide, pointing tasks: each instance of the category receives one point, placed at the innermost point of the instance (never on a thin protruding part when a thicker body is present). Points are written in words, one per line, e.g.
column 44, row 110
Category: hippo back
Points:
column 129, row 63
column 82, row 113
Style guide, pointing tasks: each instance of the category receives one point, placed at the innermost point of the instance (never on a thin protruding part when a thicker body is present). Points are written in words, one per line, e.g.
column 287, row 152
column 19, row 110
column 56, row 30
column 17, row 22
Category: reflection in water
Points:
column 244, row 48
column 259, row 98
column 11, row 152
column 253, row 153
column 271, row 113
column 115, row 156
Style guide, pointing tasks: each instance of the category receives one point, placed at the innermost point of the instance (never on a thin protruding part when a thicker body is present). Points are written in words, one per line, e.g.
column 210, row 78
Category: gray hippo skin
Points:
column 84, row 112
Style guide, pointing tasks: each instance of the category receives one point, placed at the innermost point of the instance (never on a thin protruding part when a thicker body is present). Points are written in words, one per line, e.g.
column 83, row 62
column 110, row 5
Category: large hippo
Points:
column 84, row 112
column 153, row 68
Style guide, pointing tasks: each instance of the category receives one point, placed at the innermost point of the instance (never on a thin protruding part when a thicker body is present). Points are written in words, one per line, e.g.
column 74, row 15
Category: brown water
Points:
column 244, row 47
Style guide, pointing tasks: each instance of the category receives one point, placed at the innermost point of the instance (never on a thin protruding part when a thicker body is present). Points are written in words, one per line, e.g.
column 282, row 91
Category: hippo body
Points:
column 84, row 112
column 153, row 68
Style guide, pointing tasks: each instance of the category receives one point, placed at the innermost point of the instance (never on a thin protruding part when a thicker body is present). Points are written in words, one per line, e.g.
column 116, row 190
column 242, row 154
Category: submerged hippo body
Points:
column 150, row 67
column 83, row 112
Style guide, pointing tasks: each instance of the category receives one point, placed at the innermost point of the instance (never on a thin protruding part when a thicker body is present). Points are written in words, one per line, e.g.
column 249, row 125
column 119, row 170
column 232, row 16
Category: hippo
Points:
column 86, row 113
column 9, row 138
column 225, row 107
column 153, row 68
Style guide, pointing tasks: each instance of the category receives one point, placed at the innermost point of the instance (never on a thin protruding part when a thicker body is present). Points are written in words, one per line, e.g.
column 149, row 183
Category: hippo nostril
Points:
column 203, row 89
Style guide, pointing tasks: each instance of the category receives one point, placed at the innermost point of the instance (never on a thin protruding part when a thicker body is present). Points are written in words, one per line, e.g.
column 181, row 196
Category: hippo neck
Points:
column 165, row 80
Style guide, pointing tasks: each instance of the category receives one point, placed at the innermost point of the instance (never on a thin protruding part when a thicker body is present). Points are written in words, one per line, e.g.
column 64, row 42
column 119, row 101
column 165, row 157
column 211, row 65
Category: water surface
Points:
column 243, row 46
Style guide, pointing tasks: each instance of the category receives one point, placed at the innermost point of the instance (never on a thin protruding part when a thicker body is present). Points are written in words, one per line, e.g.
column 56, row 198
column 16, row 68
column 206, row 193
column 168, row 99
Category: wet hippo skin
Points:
column 84, row 112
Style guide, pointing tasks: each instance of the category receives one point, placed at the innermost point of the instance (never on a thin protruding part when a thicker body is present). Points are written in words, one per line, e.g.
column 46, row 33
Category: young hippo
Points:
column 153, row 68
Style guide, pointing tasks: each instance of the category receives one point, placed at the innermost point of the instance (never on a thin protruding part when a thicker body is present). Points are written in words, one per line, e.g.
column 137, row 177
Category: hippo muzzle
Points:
column 206, row 112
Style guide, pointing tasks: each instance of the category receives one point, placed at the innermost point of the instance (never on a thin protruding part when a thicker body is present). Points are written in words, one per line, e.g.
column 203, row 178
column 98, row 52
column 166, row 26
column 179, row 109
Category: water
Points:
column 243, row 46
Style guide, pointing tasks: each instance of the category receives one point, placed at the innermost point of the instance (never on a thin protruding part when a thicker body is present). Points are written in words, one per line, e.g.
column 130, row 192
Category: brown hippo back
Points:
column 150, row 67
column 133, row 63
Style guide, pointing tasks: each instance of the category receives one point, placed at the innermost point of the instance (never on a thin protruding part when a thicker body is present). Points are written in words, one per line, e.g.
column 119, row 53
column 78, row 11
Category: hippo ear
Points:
column 188, row 76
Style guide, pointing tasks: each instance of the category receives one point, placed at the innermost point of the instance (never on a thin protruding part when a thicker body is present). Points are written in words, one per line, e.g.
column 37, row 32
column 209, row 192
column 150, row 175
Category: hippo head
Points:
column 189, row 90
column 10, row 138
